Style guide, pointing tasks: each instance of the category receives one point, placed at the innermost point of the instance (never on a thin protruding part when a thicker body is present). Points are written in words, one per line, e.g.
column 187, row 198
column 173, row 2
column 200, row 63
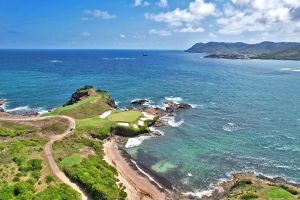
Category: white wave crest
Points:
column 290, row 69
column 55, row 61
column 230, row 127
column 171, row 121
column 134, row 142
column 175, row 99
column 154, row 130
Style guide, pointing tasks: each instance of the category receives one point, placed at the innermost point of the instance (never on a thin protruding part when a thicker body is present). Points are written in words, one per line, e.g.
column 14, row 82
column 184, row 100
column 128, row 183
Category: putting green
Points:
column 125, row 116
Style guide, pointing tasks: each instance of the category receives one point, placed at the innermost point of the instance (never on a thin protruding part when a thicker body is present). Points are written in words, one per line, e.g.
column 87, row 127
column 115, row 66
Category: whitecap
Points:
column 230, row 127
column 55, row 61
column 174, row 99
column 134, row 142
column 171, row 121
column 154, row 130
column 198, row 194
column 290, row 69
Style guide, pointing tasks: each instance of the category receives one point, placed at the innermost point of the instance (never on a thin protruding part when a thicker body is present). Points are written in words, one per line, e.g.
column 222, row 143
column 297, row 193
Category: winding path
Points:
column 48, row 148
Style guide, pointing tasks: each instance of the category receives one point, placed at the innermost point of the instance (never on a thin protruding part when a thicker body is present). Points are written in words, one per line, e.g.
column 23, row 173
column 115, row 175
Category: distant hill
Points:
column 240, row 48
column 292, row 53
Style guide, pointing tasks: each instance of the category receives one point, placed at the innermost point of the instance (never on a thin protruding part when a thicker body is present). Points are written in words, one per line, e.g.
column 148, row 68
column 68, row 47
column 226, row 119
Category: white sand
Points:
column 123, row 124
column 147, row 115
column 141, row 123
column 105, row 114
column 135, row 126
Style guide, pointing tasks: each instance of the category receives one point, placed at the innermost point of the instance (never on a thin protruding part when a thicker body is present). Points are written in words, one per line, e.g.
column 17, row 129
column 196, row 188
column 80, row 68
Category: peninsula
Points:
column 239, row 50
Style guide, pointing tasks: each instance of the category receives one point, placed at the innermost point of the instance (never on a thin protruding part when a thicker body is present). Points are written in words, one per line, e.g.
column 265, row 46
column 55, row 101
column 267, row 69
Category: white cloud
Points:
column 160, row 32
column 92, row 14
column 141, row 3
column 85, row 34
column 162, row 3
column 185, row 20
column 190, row 29
column 260, row 16
column 122, row 36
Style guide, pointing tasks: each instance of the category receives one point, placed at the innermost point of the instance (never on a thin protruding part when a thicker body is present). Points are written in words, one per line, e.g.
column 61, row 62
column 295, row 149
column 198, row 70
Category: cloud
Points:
column 93, row 14
column 160, row 32
column 141, row 3
column 185, row 20
column 162, row 3
column 190, row 29
column 85, row 34
column 122, row 36
column 279, row 17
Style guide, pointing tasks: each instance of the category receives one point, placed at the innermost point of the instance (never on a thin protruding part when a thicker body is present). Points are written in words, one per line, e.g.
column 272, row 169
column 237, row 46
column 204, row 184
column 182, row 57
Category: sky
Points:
column 145, row 24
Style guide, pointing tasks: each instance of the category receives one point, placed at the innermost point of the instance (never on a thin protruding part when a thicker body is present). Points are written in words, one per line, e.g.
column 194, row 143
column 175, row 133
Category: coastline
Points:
column 138, row 186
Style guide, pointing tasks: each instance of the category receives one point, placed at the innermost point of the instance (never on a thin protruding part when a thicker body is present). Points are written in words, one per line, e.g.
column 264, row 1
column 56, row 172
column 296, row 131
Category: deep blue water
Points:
column 260, row 100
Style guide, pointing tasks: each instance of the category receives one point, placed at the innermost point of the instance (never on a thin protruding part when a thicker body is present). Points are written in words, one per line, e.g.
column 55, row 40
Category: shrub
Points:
column 249, row 196
column 49, row 179
column 31, row 165
column 244, row 182
column 290, row 190
column 60, row 191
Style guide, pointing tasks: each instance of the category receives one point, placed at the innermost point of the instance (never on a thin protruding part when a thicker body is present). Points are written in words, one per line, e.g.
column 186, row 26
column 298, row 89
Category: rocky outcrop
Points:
column 1, row 109
column 24, row 112
column 78, row 96
column 111, row 102
column 2, row 102
column 139, row 101
column 172, row 106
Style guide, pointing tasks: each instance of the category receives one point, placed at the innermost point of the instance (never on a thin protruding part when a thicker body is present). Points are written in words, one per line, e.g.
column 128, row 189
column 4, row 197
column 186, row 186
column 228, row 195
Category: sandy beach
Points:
column 138, row 187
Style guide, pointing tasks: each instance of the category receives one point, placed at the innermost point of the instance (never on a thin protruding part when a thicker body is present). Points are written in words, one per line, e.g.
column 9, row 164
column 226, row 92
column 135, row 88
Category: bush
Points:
column 244, row 182
column 58, row 192
column 249, row 196
column 290, row 190
column 49, row 179
column 31, row 165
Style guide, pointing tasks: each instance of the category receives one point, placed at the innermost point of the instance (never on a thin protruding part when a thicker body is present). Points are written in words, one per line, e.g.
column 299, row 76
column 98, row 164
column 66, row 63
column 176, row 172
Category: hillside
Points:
column 287, row 54
column 240, row 48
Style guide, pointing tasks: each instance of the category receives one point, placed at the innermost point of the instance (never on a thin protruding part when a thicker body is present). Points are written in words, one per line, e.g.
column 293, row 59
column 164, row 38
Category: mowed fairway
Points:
column 126, row 116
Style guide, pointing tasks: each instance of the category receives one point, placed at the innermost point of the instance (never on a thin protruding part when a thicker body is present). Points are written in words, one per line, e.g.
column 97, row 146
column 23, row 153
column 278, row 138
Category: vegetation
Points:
column 127, row 116
column 58, row 192
column 292, row 53
column 254, row 188
column 9, row 129
column 88, row 168
column 279, row 193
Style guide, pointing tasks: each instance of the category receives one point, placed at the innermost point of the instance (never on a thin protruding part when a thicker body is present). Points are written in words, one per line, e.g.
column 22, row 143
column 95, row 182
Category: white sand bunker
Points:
column 135, row 126
column 148, row 116
column 123, row 124
column 141, row 123
column 105, row 114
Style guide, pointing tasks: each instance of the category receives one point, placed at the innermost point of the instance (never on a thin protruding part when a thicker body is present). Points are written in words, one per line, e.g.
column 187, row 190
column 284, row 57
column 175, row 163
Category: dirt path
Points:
column 138, row 187
column 48, row 148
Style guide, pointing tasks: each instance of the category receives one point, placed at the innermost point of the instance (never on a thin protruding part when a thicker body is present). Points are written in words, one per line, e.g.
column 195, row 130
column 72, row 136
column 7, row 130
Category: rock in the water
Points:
column 2, row 110
column 172, row 106
column 24, row 112
column 139, row 101
column 2, row 101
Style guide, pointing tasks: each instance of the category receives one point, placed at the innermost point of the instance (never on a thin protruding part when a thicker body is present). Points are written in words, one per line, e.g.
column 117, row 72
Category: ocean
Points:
column 245, row 115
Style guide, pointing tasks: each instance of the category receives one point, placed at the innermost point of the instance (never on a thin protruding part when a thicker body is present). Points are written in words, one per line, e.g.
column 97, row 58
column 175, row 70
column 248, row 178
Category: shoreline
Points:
column 138, row 185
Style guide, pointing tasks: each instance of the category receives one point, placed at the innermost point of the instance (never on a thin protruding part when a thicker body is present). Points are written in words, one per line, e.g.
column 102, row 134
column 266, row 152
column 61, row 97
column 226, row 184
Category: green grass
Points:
column 125, row 116
column 8, row 129
column 70, row 161
column 60, row 110
column 95, row 126
column 279, row 193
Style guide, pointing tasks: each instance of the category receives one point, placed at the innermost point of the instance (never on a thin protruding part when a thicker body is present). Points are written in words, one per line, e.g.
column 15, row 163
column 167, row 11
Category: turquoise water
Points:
column 246, row 115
